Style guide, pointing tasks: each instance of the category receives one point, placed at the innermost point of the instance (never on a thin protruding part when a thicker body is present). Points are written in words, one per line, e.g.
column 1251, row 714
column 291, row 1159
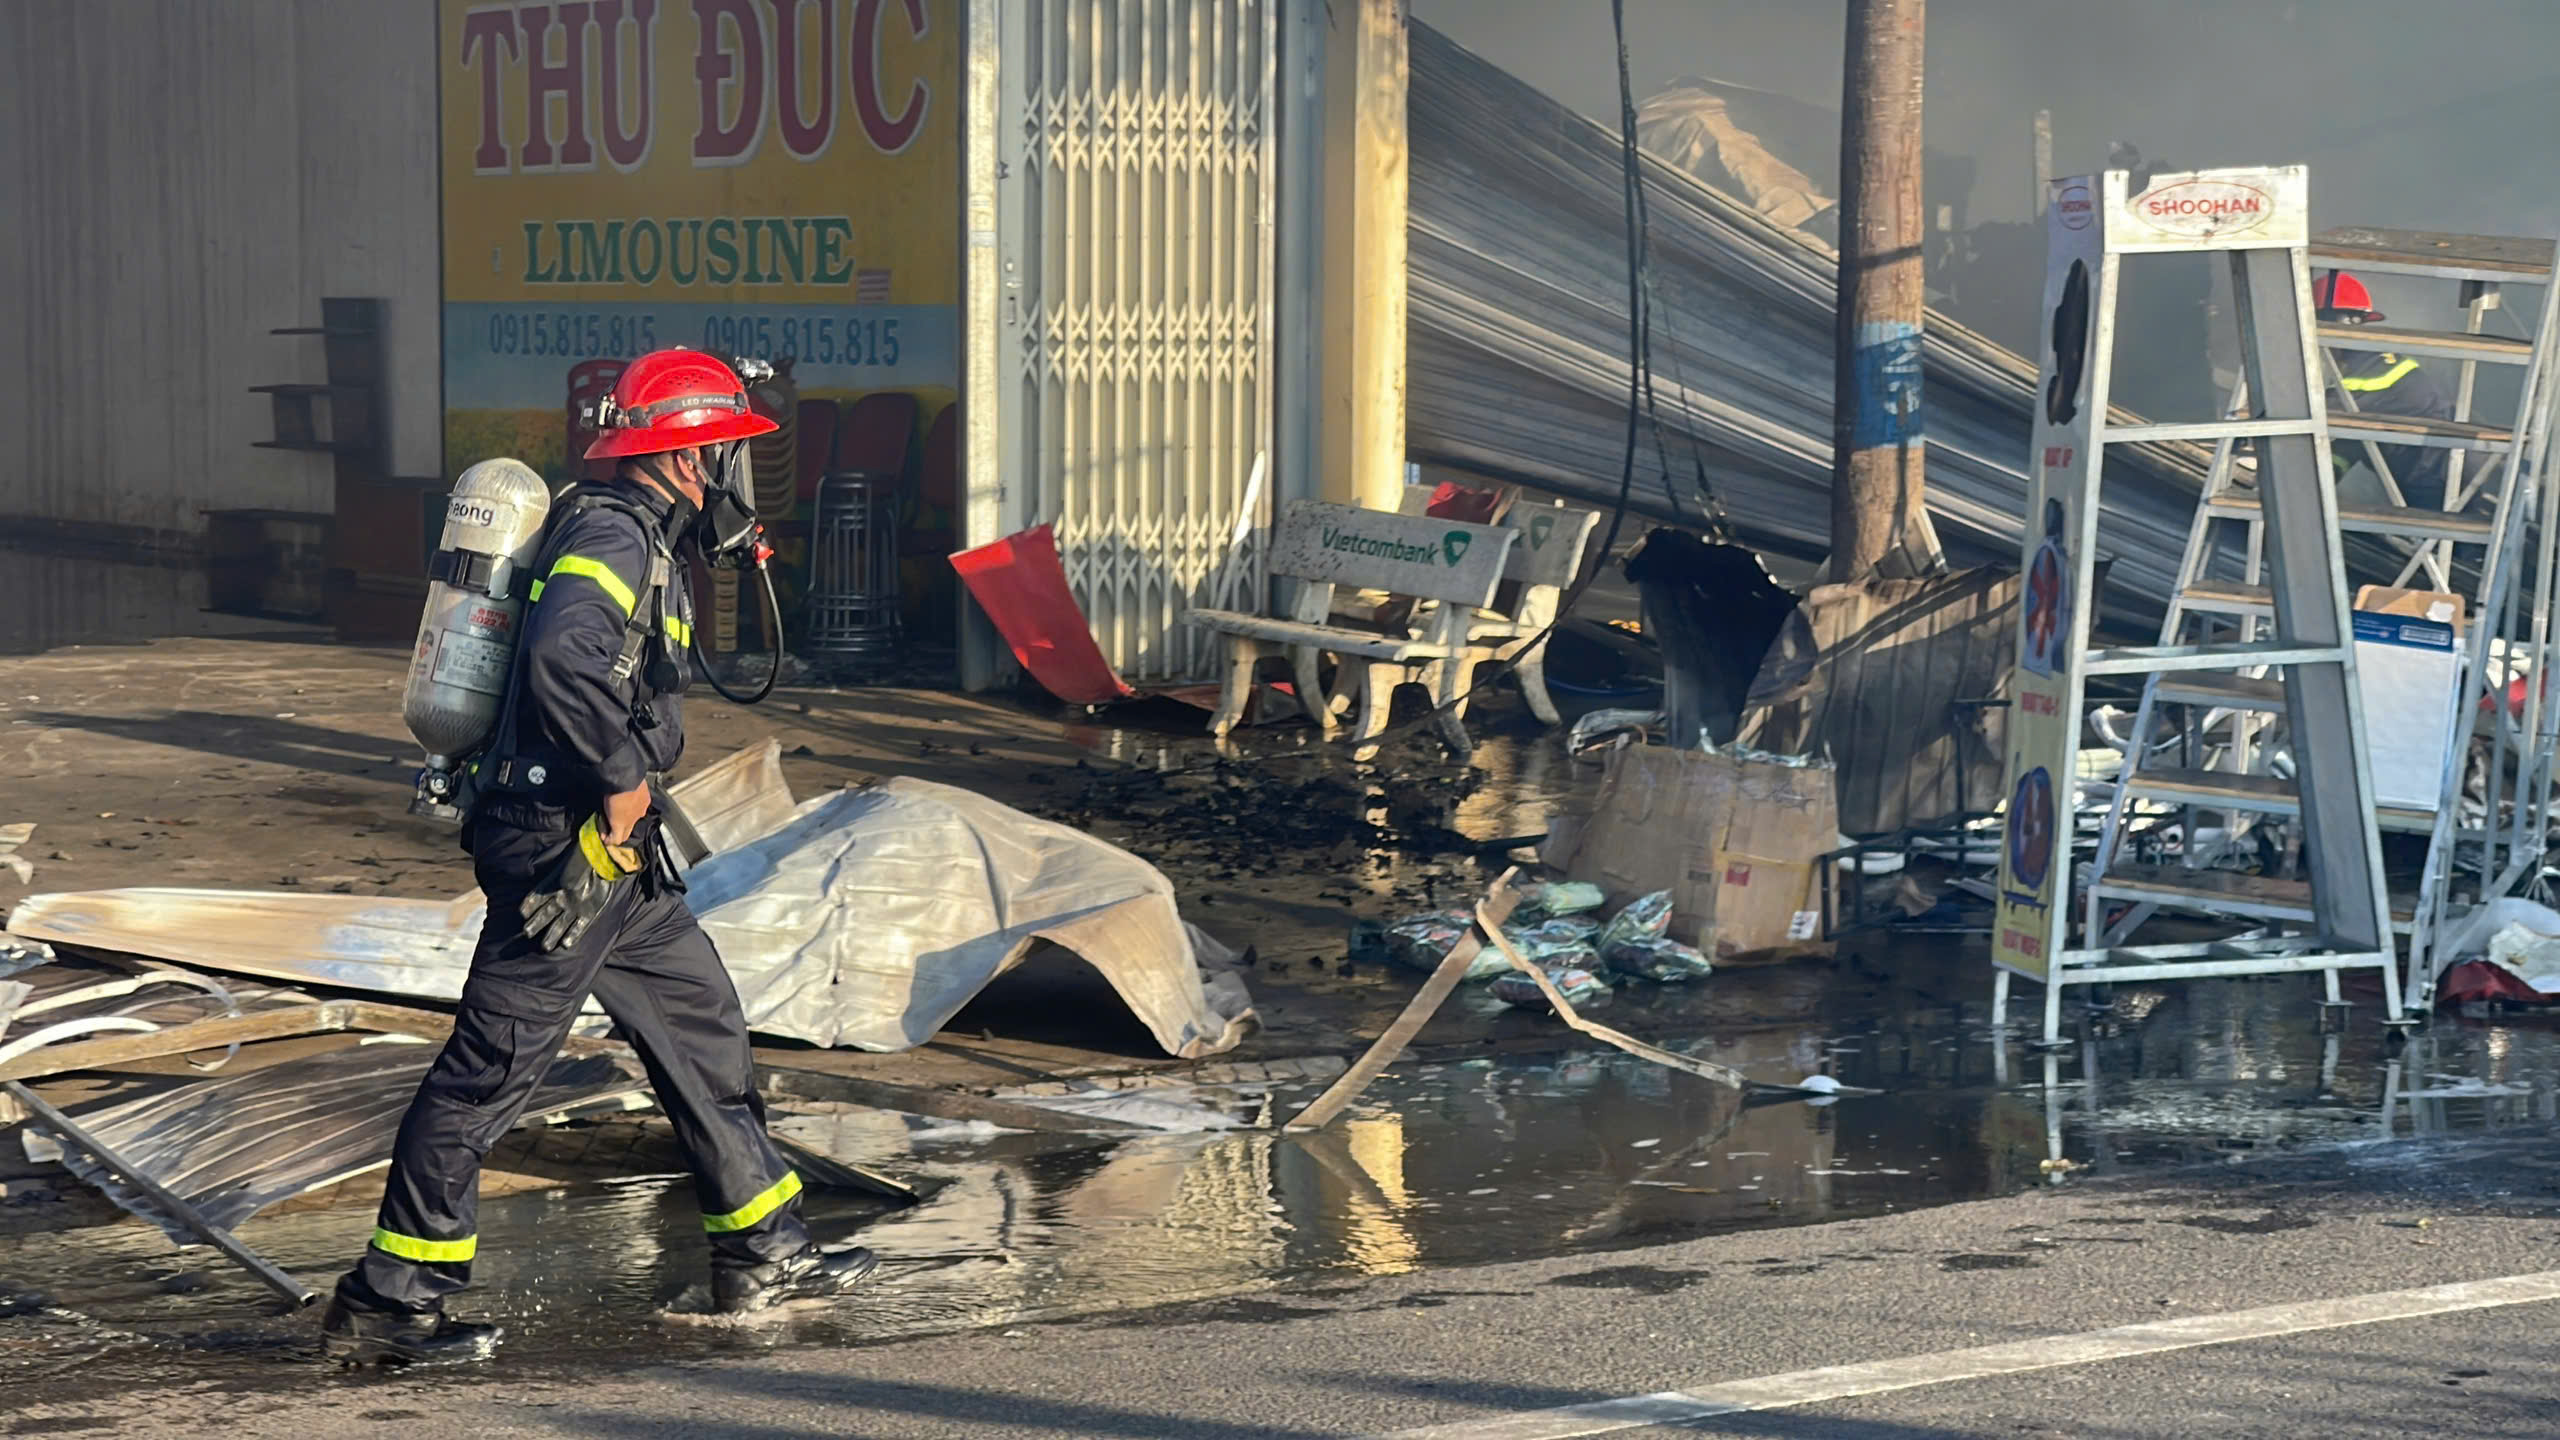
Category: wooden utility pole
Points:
column 1878, row 524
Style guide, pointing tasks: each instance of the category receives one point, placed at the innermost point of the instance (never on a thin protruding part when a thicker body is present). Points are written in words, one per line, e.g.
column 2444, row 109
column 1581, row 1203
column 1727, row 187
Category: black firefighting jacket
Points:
column 596, row 706
column 2387, row 384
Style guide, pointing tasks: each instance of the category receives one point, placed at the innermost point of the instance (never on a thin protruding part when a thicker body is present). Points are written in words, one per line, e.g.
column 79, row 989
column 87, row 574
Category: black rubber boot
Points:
column 395, row 1337
column 813, row 1273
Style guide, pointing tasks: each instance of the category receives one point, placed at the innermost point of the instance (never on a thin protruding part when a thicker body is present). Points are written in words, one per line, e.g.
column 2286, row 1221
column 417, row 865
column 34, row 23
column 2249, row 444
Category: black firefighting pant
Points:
column 648, row 963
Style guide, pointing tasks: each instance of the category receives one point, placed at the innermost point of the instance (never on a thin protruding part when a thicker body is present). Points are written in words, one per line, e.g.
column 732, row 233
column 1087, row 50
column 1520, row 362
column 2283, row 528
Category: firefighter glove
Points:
column 562, row 908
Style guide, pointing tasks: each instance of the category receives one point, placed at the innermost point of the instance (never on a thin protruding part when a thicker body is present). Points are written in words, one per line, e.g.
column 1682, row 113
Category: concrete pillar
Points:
column 1360, row 381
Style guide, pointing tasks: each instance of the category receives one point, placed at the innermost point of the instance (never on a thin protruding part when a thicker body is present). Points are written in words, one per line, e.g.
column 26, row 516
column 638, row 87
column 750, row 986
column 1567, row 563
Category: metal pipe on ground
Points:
column 212, row 1234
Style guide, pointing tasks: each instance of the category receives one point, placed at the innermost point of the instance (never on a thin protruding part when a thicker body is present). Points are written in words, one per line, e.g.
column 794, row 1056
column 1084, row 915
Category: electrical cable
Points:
column 1640, row 266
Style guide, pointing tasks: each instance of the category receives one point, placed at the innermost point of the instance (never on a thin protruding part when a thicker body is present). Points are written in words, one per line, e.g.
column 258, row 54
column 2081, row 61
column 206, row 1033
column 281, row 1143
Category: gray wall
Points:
column 179, row 177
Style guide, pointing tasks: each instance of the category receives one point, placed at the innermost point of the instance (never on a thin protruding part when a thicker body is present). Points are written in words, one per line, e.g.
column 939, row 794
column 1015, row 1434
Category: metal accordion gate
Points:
column 1132, row 313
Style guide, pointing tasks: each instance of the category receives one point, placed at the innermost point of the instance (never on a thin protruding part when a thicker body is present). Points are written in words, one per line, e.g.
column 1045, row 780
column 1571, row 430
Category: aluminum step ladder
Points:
column 2299, row 655
column 2507, row 579
column 2455, row 547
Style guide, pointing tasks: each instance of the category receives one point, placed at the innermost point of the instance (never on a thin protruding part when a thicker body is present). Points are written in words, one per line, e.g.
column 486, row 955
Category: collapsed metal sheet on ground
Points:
column 231, row 1147
column 1872, row 674
column 1518, row 341
column 879, row 912
column 866, row 918
column 64, row 1002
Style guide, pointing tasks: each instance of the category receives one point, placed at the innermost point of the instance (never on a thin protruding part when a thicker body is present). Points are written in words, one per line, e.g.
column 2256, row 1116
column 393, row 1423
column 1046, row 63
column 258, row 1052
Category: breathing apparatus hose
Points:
column 773, row 627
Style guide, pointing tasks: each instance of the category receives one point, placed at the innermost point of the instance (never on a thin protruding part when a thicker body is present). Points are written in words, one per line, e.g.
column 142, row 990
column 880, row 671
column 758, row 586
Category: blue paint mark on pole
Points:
column 1888, row 379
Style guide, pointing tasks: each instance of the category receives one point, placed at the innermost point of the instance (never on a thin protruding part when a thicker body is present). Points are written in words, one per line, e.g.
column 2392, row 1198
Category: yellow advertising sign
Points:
column 775, row 178
column 2044, row 716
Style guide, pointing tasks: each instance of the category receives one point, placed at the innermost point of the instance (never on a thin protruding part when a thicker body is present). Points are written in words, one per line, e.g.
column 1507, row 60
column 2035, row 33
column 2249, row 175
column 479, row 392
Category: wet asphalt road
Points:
column 1474, row 1344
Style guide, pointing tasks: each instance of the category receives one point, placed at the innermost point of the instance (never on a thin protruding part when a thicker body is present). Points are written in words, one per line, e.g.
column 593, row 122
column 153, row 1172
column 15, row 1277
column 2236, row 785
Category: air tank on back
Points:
column 466, row 646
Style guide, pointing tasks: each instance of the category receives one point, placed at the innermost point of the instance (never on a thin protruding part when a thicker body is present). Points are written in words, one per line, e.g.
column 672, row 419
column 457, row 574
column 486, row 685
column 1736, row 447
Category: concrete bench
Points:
column 1543, row 563
column 1548, row 558
column 1322, row 546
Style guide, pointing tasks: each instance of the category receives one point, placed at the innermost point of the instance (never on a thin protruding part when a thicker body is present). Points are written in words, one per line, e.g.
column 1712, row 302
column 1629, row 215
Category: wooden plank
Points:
column 2404, row 819
column 2517, row 256
column 1401, row 554
column 2230, row 597
column 791, row 1081
column 1495, row 909
column 2174, row 884
column 2438, row 344
column 2224, row 687
column 2220, row 787
column 2419, row 430
column 2459, row 526
column 216, row 1034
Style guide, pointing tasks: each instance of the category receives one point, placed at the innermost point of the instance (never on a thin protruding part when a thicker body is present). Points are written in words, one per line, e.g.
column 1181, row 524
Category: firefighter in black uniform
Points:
column 2383, row 383
column 583, row 897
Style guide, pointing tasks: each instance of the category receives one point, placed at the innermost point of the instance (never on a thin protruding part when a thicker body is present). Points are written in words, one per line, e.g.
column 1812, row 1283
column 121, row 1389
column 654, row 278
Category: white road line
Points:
column 1841, row 1382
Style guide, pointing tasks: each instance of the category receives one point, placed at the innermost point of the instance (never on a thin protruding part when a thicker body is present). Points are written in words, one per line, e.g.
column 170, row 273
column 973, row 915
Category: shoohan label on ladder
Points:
column 2238, row 209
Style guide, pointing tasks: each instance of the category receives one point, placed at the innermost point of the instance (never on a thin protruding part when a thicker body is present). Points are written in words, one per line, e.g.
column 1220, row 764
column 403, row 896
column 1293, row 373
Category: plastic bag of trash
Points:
column 1562, row 930
column 1577, row 955
column 1551, row 898
column 1658, row 958
column 2517, row 935
column 1647, row 917
column 1577, row 985
column 1600, row 727
column 1421, row 942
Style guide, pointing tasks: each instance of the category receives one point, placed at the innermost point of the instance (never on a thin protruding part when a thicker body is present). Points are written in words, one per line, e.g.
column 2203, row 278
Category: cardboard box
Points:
column 2440, row 606
column 1737, row 843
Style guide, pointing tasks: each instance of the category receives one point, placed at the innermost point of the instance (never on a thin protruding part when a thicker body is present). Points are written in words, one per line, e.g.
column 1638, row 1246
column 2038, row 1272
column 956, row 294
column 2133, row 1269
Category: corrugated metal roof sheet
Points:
column 1518, row 337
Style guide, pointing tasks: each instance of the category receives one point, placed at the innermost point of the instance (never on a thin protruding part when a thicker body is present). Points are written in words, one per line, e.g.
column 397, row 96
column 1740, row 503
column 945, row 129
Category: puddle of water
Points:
column 1443, row 1162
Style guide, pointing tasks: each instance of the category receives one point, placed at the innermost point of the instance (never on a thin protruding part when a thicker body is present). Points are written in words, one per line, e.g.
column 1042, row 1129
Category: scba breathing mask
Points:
column 727, row 530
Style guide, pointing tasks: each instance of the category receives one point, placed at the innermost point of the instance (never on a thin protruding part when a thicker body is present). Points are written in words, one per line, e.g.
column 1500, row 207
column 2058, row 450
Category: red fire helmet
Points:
column 2338, row 290
column 674, row 399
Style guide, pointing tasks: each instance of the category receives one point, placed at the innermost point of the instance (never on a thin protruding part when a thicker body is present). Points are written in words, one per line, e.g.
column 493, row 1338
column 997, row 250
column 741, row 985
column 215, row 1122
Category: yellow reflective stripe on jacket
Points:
column 758, row 1208
column 595, row 570
column 410, row 1247
column 2383, row 381
column 678, row 631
